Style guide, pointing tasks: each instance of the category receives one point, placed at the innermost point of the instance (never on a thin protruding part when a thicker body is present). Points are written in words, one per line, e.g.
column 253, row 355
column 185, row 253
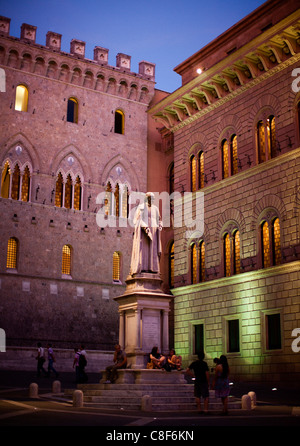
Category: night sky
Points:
column 164, row 32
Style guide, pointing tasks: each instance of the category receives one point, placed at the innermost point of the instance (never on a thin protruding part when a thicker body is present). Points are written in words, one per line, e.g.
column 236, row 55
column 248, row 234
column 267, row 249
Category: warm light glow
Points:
column 116, row 266
column 66, row 260
column 21, row 98
column 12, row 246
column 199, row 70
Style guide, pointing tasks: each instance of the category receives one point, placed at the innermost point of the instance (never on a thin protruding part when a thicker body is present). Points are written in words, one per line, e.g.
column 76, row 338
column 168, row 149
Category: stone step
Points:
column 161, row 406
column 129, row 397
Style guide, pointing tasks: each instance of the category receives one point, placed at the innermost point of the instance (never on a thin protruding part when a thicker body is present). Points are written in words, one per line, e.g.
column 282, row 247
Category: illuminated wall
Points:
column 238, row 109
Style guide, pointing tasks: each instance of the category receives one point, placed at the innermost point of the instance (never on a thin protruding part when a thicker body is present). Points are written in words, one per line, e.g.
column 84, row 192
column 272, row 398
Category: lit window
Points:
column 266, row 139
column 119, row 122
column 225, row 160
column 227, row 255
column 25, row 184
column 265, row 245
column 59, row 191
column 193, row 173
column 72, row 111
column 276, row 241
column 66, row 260
column 116, row 266
column 194, row 263
column 117, row 201
column 202, row 261
column 234, row 155
column 270, row 242
column 261, row 142
column 21, row 103
column 68, row 192
column 237, row 252
column 271, row 136
column 12, row 250
column 201, row 170
column 15, row 186
column 77, row 194
column 107, row 201
column 125, row 202
column 5, row 181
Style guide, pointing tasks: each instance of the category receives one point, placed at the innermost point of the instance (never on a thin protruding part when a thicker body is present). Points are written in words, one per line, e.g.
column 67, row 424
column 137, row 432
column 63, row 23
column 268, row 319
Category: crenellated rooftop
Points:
column 77, row 50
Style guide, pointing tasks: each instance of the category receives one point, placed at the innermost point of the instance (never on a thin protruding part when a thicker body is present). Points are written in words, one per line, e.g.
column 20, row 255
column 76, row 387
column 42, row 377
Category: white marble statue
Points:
column 146, row 250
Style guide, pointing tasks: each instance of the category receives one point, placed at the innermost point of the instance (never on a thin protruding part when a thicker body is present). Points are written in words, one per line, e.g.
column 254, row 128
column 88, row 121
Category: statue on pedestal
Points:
column 146, row 250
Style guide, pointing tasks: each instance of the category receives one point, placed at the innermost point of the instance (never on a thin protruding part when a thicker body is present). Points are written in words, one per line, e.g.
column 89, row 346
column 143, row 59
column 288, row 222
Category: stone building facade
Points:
column 236, row 128
column 73, row 148
column 73, row 128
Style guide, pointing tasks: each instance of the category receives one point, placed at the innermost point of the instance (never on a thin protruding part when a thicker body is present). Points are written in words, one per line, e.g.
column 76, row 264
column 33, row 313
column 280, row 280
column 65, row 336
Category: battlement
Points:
column 77, row 49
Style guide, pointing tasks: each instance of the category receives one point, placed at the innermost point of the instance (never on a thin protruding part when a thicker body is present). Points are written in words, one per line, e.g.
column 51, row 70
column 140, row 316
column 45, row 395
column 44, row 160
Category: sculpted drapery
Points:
column 146, row 250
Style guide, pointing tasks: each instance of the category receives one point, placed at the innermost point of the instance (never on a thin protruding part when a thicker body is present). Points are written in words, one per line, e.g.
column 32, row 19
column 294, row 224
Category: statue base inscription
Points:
column 144, row 318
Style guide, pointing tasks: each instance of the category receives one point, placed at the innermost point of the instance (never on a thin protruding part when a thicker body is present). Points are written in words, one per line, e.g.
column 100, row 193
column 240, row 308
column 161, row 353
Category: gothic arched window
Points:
column 193, row 263
column 77, row 194
column 202, row 261
column 68, row 192
column 5, row 181
column 201, row 170
column 15, row 185
column 25, row 184
column 59, row 191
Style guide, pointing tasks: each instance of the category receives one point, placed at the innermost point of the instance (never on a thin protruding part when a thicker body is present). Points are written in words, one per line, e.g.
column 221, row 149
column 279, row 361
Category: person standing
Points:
column 221, row 382
column 82, row 362
column 41, row 360
column 51, row 360
column 76, row 365
column 199, row 369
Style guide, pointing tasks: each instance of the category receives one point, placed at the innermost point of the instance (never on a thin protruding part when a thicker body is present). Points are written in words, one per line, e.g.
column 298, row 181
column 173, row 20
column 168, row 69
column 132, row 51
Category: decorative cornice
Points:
column 258, row 60
column 287, row 268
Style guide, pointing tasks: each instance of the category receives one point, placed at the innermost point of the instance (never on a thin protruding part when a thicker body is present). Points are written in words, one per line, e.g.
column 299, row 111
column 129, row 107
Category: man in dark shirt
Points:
column 199, row 369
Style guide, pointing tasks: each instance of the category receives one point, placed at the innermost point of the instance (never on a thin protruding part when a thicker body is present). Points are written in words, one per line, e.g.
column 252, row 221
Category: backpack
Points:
column 82, row 361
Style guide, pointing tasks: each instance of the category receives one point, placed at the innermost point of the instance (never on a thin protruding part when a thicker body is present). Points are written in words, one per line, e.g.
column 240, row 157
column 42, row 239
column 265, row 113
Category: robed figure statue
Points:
column 146, row 250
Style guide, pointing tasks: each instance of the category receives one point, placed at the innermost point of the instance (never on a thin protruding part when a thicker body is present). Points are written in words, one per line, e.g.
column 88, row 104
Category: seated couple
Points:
column 158, row 361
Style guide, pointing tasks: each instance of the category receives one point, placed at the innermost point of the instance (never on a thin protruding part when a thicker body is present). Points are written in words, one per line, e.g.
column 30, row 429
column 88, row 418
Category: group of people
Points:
column 41, row 359
column 168, row 363
column 79, row 363
column 199, row 369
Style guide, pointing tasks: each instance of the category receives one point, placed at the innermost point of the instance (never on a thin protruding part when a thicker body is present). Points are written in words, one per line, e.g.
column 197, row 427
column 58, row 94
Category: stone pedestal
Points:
column 144, row 318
